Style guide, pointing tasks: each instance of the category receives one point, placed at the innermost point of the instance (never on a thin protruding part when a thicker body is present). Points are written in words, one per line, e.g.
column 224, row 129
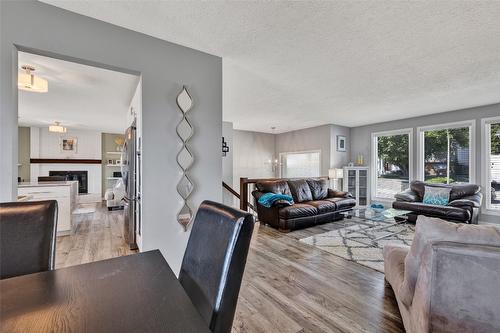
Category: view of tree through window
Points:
column 446, row 155
column 393, row 165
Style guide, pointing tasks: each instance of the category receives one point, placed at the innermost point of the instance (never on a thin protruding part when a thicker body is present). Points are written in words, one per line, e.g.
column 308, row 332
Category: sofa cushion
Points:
column 319, row 188
column 274, row 186
column 458, row 191
column 300, row 190
column 297, row 210
column 444, row 212
column 323, row 206
column 343, row 203
column 431, row 230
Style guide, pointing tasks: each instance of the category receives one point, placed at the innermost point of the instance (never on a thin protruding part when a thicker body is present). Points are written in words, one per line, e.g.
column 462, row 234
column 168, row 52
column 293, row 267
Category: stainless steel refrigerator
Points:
column 129, row 176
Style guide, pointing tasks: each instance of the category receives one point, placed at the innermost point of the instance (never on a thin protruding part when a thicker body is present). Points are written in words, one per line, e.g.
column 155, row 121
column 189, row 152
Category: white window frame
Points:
column 485, row 161
column 472, row 145
column 374, row 158
column 299, row 152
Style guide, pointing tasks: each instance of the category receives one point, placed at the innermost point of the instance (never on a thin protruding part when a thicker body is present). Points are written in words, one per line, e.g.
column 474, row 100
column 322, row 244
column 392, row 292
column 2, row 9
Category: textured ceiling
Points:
column 300, row 64
column 79, row 96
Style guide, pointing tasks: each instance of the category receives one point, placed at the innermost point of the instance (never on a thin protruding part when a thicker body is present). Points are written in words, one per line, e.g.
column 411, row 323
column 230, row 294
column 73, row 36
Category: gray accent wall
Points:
column 361, row 136
column 322, row 138
column 164, row 68
column 253, row 152
column 227, row 162
column 24, row 153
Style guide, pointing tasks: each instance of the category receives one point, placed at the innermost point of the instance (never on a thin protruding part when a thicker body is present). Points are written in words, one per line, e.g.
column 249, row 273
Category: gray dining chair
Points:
column 214, row 262
column 27, row 237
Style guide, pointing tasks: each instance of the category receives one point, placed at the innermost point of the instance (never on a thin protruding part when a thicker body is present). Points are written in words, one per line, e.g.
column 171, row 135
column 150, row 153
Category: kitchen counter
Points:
column 56, row 183
column 64, row 192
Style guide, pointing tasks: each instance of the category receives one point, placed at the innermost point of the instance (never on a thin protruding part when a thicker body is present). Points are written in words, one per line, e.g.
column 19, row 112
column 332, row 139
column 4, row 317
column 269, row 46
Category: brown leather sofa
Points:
column 314, row 203
column 464, row 205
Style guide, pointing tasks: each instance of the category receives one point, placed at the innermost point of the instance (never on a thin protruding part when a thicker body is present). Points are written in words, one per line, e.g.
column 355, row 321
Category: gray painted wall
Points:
column 164, row 67
column 24, row 153
column 227, row 163
column 361, row 136
column 321, row 138
column 252, row 153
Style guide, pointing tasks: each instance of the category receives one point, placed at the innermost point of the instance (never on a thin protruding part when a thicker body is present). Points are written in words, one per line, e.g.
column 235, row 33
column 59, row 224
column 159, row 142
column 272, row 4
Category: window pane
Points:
column 494, row 157
column 446, row 155
column 393, row 165
column 301, row 165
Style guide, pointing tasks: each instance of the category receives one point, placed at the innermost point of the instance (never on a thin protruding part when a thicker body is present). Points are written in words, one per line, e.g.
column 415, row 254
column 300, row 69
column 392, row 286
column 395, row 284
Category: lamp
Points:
column 336, row 175
column 57, row 128
column 30, row 82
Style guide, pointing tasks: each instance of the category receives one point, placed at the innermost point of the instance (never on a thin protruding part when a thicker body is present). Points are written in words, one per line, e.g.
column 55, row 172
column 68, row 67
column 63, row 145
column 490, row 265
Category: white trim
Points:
column 485, row 161
column 374, row 158
column 471, row 124
column 299, row 152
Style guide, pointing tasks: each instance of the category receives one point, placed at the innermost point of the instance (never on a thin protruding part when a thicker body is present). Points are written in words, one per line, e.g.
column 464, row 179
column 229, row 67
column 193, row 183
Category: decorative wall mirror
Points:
column 185, row 158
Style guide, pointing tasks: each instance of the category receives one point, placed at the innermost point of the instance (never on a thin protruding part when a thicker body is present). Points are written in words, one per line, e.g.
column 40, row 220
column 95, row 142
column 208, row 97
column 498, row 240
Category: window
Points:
column 301, row 164
column 491, row 157
column 391, row 163
column 446, row 153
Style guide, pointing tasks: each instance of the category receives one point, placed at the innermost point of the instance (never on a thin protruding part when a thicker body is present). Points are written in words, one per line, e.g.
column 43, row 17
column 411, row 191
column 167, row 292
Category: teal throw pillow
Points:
column 436, row 195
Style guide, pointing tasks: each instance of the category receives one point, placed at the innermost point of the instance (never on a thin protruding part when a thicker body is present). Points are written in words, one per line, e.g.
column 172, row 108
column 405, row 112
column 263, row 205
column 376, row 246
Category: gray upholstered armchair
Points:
column 448, row 281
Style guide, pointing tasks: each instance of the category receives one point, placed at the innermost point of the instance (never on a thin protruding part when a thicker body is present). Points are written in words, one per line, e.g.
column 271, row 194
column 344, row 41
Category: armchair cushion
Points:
column 407, row 195
column 319, row 188
column 472, row 201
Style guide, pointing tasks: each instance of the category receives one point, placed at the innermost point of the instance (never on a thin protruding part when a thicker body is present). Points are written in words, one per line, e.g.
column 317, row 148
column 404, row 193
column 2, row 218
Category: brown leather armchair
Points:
column 314, row 203
column 464, row 205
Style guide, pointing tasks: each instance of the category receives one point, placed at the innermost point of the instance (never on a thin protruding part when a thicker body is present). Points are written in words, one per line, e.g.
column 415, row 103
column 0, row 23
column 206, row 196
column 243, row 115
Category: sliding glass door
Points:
column 492, row 162
column 391, row 163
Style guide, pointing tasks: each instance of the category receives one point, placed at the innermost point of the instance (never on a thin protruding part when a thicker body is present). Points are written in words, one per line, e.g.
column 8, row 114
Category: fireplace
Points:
column 81, row 176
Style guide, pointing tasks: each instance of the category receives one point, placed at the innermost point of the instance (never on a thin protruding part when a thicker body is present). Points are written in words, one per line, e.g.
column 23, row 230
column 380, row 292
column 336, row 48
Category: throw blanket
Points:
column 268, row 199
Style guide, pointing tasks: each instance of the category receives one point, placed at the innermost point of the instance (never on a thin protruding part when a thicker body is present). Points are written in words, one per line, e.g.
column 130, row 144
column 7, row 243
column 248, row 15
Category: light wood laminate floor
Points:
column 96, row 236
column 288, row 286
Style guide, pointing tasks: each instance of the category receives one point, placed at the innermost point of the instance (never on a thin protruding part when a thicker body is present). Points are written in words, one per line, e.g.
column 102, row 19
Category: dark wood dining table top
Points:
column 135, row 293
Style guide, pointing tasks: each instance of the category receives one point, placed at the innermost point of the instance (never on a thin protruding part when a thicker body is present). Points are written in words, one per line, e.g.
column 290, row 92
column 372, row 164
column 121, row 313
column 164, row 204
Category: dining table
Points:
column 134, row 293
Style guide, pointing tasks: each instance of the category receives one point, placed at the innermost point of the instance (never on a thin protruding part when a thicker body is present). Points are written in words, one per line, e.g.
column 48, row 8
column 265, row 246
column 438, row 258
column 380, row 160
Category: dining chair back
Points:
column 27, row 237
column 214, row 262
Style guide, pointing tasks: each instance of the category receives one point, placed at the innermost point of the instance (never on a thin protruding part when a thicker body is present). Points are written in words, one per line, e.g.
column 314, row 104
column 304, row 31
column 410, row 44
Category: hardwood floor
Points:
column 293, row 287
column 288, row 286
column 98, row 235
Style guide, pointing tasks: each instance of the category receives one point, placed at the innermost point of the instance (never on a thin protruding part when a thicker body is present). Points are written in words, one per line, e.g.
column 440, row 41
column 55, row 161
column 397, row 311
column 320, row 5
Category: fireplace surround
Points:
column 81, row 176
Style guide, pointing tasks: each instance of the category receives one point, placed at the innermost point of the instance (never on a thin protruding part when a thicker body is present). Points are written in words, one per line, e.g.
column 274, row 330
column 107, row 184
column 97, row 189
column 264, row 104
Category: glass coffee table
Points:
column 375, row 222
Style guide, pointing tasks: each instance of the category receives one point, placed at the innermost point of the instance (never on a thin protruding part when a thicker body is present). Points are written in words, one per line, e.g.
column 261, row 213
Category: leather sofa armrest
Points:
column 257, row 194
column 472, row 201
column 338, row 194
column 407, row 195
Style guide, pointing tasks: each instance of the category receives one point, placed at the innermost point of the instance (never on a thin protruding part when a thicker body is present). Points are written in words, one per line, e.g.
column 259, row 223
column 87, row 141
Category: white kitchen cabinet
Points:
column 63, row 192
column 357, row 183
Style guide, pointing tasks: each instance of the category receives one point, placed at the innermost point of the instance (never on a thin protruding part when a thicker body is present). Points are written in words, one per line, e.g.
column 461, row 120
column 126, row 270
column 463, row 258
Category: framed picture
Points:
column 341, row 143
column 68, row 144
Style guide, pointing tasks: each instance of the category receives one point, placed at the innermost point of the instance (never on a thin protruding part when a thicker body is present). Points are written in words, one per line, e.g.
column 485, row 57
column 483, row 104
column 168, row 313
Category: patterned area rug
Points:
column 356, row 243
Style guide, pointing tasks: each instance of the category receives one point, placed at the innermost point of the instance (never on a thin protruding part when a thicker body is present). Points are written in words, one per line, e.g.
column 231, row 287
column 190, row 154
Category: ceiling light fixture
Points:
column 57, row 128
column 28, row 81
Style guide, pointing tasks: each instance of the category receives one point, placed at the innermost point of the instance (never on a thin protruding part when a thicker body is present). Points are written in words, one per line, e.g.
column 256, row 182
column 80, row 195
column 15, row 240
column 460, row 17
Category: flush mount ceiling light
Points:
column 30, row 82
column 57, row 128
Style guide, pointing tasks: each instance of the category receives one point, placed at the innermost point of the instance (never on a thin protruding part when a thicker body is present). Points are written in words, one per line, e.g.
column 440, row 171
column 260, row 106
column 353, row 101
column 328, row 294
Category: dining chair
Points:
column 27, row 237
column 52, row 178
column 214, row 262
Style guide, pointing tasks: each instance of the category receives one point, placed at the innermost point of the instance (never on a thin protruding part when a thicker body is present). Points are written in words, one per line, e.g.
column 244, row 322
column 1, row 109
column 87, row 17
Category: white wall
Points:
column 45, row 144
column 253, row 152
column 165, row 67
